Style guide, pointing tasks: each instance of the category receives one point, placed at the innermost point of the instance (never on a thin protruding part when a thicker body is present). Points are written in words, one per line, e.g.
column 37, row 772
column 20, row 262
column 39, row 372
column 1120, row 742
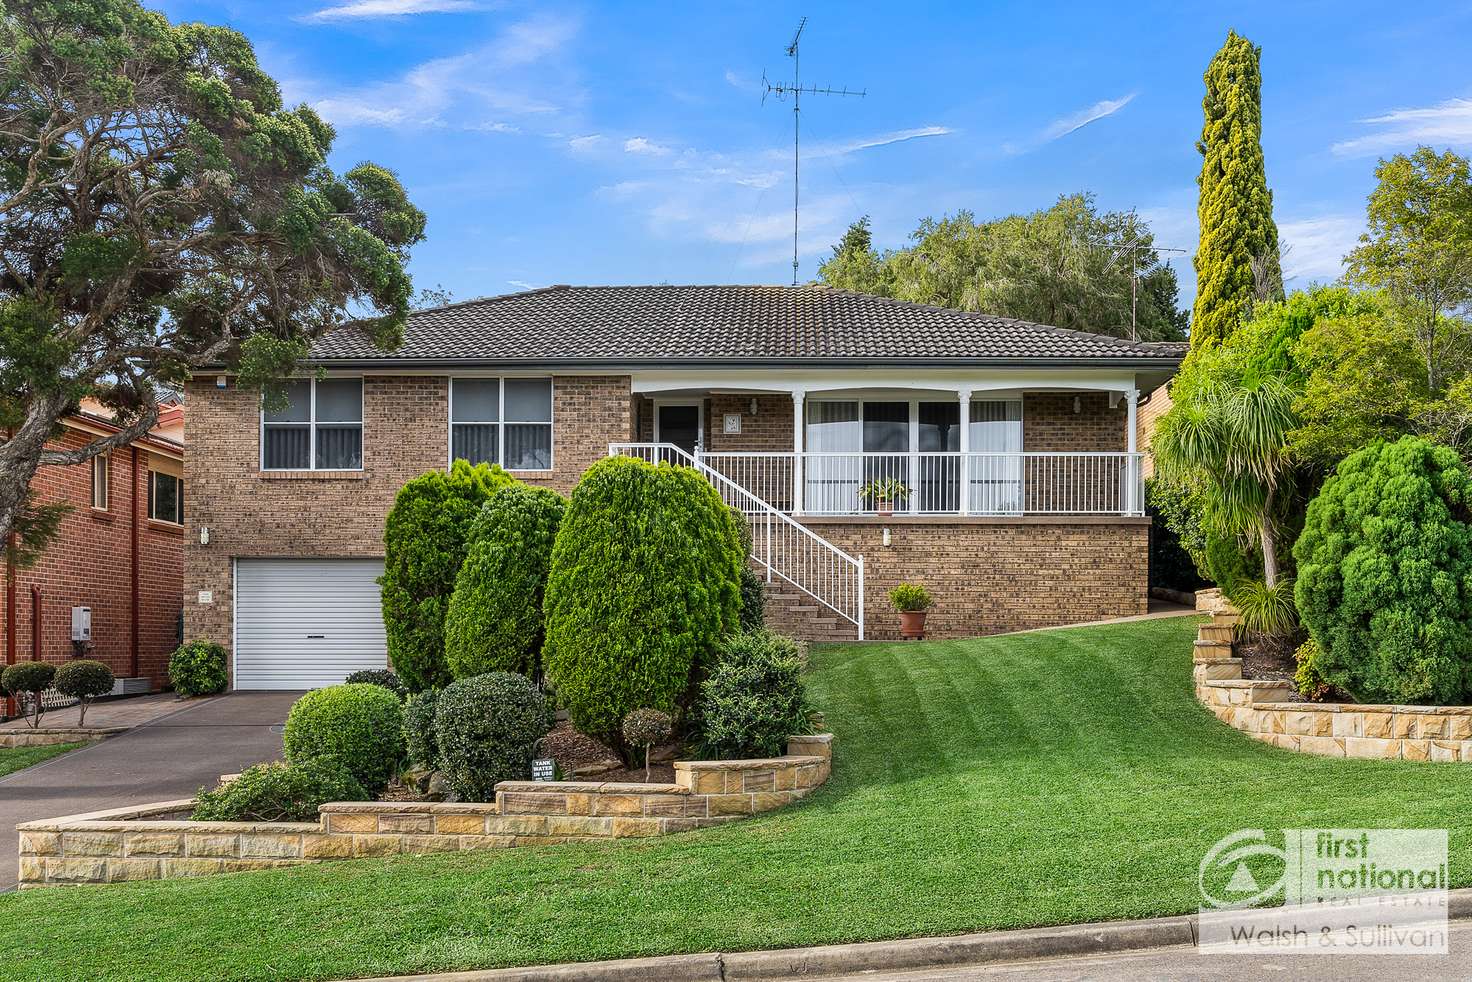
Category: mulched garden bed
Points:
column 1268, row 662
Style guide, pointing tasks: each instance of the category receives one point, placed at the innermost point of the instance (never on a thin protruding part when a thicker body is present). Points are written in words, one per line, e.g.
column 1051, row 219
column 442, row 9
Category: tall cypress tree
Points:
column 1235, row 207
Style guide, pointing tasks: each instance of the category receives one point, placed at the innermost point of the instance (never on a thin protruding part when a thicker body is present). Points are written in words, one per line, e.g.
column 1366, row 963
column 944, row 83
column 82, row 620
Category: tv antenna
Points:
column 781, row 90
column 1133, row 247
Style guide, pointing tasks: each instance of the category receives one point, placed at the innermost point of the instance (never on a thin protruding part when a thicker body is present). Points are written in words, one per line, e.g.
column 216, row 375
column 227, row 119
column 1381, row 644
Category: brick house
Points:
column 119, row 551
column 790, row 400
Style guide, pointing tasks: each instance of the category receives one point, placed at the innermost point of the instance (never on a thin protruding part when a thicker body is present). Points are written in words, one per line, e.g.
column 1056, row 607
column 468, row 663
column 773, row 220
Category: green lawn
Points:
column 1032, row 779
column 19, row 758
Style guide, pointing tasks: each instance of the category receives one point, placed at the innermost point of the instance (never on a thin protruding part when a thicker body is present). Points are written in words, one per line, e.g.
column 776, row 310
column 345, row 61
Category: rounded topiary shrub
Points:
column 27, row 676
column 199, row 668
column 1385, row 575
column 424, row 539
column 279, row 792
column 487, row 727
column 381, row 677
column 645, row 581
column 362, row 725
column 753, row 699
column 494, row 623
column 419, row 740
column 83, row 680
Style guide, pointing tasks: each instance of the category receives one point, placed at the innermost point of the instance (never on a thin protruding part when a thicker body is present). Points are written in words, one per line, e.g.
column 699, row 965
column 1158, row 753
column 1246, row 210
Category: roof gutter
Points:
column 1160, row 362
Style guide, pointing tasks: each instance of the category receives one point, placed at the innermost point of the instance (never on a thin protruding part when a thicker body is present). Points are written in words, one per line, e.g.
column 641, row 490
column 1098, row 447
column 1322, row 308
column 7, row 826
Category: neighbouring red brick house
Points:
column 1021, row 446
column 119, row 551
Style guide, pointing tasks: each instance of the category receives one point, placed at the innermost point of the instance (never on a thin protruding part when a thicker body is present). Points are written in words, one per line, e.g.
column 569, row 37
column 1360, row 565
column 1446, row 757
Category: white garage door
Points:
column 305, row 623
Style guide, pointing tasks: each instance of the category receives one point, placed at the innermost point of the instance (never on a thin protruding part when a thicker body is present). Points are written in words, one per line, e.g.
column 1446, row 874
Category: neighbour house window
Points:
column 100, row 465
column 165, row 498
column 321, row 427
column 506, row 421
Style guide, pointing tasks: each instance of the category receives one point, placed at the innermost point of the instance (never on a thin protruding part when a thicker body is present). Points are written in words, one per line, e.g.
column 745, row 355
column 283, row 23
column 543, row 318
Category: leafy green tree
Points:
column 1067, row 265
column 160, row 209
column 1418, row 248
column 1385, row 575
column 1237, row 261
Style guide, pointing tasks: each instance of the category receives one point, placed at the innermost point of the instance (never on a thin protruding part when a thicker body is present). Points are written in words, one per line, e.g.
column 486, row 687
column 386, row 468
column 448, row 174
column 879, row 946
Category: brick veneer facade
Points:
column 90, row 564
column 340, row 514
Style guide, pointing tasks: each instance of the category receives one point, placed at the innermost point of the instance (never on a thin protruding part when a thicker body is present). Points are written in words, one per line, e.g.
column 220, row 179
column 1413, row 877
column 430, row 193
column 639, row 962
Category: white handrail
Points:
column 779, row 545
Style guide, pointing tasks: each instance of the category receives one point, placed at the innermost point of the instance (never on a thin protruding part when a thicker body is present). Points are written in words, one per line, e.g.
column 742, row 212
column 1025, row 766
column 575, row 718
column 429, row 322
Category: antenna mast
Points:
column 796, row 90
column 1132, row 248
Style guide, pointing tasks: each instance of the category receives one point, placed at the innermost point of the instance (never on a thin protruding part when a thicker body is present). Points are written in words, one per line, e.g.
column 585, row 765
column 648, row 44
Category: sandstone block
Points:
column 155, row 844
column 630, row 828
column 420, row 844
column 92, row 843
column 211, row 845
column 460, row 824
column 122, row 870
column 376, row 845
column 327, row 846
column 729, row 804
column 422, row 824
column 270, row 846
column 618, row 804
column 76, row 869
column 351, row 822
column 40, row 843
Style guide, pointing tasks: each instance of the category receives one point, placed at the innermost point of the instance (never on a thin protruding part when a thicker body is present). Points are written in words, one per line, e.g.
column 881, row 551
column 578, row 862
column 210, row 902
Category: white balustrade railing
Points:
column 780, row 546
column 941, row 483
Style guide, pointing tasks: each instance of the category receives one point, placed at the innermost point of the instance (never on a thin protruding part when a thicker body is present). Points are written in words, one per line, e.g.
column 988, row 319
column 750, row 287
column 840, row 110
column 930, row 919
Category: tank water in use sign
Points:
column 1325, row 891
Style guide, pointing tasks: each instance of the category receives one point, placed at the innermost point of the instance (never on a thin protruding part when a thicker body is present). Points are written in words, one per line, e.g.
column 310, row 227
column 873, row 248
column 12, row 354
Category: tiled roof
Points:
column 724, row 324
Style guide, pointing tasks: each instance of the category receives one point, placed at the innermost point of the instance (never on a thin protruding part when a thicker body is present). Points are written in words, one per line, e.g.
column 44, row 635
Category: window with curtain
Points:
column 995, row 485
column 100, row 465
column 320, row 428
column 165, row 498
column 506, row 421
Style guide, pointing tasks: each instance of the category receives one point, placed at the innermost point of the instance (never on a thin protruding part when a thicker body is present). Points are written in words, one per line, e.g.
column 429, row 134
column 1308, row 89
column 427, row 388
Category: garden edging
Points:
column 1263, row 710
column 51, row 736
column 147, row 842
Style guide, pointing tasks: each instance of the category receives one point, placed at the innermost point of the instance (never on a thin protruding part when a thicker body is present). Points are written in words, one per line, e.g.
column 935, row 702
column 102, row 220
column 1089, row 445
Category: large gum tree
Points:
column 160, row 210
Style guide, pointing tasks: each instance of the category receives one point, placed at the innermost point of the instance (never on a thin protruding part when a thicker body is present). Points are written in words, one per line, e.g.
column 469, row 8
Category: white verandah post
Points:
column 965, row 399
column 1132, row 466
column 798, row 398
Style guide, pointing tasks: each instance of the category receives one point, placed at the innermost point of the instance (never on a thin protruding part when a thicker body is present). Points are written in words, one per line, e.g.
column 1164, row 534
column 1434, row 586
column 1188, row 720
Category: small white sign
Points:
column 731, row 423
column 206, row 596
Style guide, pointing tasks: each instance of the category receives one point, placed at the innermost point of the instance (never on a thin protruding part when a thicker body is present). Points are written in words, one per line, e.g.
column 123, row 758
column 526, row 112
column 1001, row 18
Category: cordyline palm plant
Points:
column 1231, row 439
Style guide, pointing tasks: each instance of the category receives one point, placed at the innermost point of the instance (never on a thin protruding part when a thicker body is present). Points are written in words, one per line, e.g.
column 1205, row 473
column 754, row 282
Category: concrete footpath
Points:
column 1163, row 947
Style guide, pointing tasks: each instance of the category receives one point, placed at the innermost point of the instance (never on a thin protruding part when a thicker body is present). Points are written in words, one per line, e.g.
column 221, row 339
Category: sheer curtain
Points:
column 996, row 482
column 832, row 483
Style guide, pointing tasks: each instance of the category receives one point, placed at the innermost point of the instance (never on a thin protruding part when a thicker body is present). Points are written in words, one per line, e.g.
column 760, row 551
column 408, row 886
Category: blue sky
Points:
column 627, row 142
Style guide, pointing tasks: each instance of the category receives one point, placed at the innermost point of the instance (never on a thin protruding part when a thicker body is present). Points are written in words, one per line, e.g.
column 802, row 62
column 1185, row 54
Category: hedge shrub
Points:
column 27, row 676
column 754, row 698
column 419, row 739
column 362, row 725
column 487, row 727
column 423, row 547
column 1385, row 575
column 382, row 677
column 83, row 680
column 279, row 792
column 645, row 581
column 199, row 668
column 494, row 622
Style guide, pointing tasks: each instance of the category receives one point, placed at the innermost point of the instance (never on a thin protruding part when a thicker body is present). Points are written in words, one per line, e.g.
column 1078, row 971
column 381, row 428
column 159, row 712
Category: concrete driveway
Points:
column 170, row 757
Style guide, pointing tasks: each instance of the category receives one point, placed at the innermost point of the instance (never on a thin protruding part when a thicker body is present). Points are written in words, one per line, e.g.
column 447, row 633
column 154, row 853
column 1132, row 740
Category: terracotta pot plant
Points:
column 884, row 493
column 912, row 601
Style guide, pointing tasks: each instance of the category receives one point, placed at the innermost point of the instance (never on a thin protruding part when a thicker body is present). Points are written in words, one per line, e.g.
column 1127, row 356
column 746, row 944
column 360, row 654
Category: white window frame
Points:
column 153, row 476
column 500, row 424
column 102, row 465
column 311, row 425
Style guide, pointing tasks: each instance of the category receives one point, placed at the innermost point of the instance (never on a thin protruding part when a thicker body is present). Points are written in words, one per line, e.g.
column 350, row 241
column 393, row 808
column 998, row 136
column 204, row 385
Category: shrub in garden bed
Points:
column 279, row 792
column 486, row 728
column 29, row 678
column 754, row 698
column 382, row 677
column 423, row 547
column 419, row 739
column 494, row 622
column 199, row 668
column 645, row 581
column 362, row 725
column 83, row 680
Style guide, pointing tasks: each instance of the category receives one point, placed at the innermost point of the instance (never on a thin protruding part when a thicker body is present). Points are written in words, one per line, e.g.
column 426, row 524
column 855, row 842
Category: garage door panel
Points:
column 305, row 623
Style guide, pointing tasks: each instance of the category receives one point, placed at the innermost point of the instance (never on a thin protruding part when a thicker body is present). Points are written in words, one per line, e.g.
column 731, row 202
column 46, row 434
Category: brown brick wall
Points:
column 89, row 564
column 989, row 576
column 1049, row 424
column 1146, row 419
column 768, row 431
column 341, row 514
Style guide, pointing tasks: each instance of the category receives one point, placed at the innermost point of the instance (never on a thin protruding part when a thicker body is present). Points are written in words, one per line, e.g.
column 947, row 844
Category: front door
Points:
column 679, row 425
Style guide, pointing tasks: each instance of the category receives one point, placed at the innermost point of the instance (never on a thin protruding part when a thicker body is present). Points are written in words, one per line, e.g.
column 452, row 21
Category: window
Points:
column 321, row 427
column 506, row 421
column 165, row 498
column 100, row 465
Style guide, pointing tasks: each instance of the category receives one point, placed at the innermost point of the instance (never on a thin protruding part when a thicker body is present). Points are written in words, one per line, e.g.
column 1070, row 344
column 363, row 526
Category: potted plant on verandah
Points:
column 884, row 493
column 912, row 601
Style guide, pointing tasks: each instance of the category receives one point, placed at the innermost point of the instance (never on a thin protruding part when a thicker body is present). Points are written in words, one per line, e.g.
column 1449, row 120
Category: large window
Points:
column 506, row 421
column 99, row 480
column 321, row 427
column 165, row 498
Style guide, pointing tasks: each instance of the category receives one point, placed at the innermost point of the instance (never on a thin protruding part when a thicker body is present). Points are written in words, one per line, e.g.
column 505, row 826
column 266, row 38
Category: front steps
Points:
column 791, row 612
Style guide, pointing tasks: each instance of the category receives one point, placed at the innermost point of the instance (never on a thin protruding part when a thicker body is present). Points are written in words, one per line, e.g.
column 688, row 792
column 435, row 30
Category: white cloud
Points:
column 583, row 144
column 370, row 9
column 494, row 127
column 639, row 144
column 521, row 284
column 1071, row 123
column 1447, row 123
column 737, row 81
column 881, row 140
column 1314, row 248
column 494, row 77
